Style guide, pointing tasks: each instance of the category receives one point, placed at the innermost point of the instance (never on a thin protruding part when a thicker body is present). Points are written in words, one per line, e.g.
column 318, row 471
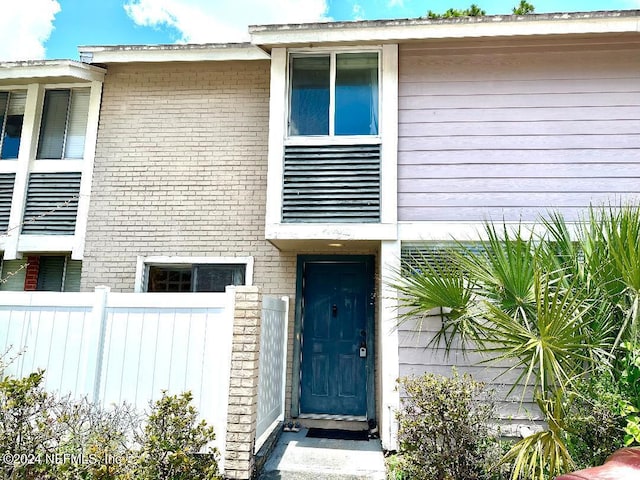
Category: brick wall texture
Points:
column 181, row 170
column 31, row 274
column 243, row 384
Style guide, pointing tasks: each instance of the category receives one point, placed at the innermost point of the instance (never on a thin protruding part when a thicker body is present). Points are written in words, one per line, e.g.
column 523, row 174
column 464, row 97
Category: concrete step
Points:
column 297, row 457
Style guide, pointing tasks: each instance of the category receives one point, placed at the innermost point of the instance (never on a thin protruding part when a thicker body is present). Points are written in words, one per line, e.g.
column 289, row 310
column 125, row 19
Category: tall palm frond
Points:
column 550, row 349
column 544, row 454
column 503, row 270
column 425, row 284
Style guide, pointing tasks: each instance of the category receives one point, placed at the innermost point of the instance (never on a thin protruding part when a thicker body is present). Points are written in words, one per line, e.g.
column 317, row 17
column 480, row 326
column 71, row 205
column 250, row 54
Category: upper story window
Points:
column 11, row 117
column 334, row 94
column 64, row 123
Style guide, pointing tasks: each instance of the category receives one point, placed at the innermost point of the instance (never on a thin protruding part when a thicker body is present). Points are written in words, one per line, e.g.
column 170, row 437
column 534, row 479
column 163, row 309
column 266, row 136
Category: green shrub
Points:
column 174, row 443
column 629, row 381
column 45, row 437
column 27, row 425
column 444, row 429
column 100, row 437
column 594, row 420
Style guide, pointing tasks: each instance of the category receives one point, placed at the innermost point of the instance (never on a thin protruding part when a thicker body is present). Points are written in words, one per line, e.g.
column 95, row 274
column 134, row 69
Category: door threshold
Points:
column 340, row 418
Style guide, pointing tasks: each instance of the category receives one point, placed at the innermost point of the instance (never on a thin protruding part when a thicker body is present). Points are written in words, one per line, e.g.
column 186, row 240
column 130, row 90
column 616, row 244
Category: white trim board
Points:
column 142, row 262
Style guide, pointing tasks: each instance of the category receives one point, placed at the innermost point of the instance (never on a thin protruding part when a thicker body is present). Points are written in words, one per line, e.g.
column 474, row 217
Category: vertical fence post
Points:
column 285, row 327
column 243, row 387
column 100, row 318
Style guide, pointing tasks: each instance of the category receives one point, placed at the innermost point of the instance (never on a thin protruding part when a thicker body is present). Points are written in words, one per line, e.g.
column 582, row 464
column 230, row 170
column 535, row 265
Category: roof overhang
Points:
column 171, row 53
column 49, row 71
column 491, row 26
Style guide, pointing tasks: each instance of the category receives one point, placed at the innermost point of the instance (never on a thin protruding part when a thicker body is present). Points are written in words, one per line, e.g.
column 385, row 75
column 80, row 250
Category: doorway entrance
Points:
column 335, row 318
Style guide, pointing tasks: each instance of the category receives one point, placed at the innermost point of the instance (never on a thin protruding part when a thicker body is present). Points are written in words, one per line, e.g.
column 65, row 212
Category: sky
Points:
column 53, row 29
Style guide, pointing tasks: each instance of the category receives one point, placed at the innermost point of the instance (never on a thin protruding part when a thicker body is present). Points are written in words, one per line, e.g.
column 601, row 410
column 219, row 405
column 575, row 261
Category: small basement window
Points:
column 195, row 277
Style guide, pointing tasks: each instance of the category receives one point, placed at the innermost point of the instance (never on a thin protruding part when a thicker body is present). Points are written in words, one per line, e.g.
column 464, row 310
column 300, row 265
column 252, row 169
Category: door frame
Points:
column 369, row 262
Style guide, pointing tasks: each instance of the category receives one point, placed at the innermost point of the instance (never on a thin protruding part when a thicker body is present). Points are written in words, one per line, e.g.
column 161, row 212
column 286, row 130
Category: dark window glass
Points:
column 356, row 111
column 215, row 278
column 169, row 279
column 309, row 102
column 11, row 118
column 196, row 278
column 50, row 274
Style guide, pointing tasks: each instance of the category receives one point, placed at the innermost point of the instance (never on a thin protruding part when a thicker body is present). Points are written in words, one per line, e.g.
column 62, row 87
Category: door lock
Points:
column 363, row 350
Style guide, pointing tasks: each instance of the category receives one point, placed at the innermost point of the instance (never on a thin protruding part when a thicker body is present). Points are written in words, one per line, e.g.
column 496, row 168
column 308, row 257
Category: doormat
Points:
column 337, row 434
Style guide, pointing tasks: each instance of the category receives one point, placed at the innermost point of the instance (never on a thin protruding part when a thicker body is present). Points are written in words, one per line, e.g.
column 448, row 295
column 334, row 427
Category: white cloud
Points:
column 395, row 3
column 205, row 21
column 25, row 25
column 358, row 12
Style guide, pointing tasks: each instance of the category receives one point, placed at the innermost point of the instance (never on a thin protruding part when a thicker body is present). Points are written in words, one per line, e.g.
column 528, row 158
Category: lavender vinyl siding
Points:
column 513, row 131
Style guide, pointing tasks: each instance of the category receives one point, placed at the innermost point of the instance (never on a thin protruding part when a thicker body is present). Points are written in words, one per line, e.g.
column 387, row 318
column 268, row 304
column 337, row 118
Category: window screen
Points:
column 215, row 278
column 334, row 94
column 64, row 124
column 51, row 274
column 356, row 94
column 309, row 104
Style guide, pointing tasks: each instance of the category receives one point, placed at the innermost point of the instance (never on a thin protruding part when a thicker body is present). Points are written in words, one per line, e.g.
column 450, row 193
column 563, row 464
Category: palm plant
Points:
column 553, row 305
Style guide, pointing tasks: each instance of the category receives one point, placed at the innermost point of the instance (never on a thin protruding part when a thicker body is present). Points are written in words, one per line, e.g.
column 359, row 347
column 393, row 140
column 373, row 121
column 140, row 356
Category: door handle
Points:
column 334, row 310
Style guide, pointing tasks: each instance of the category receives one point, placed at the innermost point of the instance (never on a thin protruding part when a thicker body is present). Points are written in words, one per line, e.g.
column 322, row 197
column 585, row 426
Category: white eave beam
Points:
column 50, row 69
column 465, row 27
column 171, row 53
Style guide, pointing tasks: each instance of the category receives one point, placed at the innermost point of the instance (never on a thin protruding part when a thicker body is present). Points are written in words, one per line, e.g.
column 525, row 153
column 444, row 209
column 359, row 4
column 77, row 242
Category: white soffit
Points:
column 49, row 70
column 171, row 53
column 610, row 22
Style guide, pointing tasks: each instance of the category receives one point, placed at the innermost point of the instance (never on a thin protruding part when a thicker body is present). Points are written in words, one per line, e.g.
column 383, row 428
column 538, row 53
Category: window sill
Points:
column 334, row 140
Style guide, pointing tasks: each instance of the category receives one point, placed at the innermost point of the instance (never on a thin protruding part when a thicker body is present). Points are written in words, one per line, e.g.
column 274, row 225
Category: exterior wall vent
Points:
column 52, row 203
column 331, row 184
column 7, row 181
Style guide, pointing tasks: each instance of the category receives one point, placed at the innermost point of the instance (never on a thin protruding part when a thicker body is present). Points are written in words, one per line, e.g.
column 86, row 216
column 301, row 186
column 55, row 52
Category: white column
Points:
column 91, row 137
column 390, row 363
column 28, row 149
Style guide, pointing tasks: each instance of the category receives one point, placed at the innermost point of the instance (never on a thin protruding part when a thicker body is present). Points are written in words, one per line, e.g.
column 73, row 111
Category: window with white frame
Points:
column 334, row 93
column 167, row 274
column 64, row 123
column 12, row 106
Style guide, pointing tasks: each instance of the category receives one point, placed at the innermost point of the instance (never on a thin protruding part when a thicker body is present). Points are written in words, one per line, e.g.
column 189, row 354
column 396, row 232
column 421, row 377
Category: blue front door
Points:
column 336, row 348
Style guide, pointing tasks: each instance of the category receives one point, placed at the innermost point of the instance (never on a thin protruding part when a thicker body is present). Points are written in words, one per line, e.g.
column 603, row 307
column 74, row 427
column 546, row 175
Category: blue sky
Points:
column 36, row 29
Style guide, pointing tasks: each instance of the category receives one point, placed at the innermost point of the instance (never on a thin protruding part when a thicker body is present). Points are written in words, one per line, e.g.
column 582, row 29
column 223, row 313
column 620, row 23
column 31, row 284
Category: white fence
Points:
column 272, row 367
column 114, row 347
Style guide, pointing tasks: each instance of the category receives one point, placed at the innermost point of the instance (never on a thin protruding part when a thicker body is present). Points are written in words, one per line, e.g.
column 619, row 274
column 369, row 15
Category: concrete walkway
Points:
column 297, row 457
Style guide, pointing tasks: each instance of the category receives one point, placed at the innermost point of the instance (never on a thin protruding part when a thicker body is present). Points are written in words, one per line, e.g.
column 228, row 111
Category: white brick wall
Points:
column 181, row 166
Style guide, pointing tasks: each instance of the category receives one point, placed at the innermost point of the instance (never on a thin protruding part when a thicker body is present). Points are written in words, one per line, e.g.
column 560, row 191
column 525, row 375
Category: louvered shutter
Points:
column 50, row 274
column 52, row 203
column 72, row 274
column 7, row 181
column 327, row 184
column 13, row 274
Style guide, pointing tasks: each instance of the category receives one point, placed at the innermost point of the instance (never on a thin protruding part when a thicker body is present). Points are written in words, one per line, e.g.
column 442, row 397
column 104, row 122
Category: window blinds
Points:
column 64, row 124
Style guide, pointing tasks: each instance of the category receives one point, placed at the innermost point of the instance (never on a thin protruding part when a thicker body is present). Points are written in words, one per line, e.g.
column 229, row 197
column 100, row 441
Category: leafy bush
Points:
column 45, row 437
column 629, row 381
column 102, row 437
column 173, row 440
column 594, row 420
column 27, row 425
column 444, row 429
